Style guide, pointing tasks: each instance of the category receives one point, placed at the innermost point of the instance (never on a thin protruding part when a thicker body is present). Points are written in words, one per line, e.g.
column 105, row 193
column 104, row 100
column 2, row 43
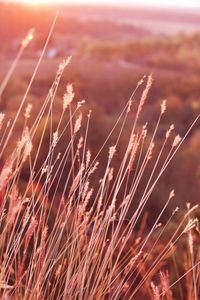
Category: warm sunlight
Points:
column 183, row 3
column 99, row 149
column 36, row 2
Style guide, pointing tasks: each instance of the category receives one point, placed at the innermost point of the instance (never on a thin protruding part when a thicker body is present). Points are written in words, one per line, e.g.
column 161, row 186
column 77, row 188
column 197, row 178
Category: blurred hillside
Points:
column 111, row 50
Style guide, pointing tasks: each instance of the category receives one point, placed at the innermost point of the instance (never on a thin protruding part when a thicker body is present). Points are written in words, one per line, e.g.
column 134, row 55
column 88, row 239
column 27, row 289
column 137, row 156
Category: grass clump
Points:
column 76, row 242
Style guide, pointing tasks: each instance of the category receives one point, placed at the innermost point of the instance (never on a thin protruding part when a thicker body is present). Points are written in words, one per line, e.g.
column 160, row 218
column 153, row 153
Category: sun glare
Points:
column 37, row 2
column 182, row 3
column 175, row 3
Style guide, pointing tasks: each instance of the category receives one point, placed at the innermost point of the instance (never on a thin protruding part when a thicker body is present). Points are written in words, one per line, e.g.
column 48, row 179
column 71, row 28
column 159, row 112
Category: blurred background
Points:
column 112, row 46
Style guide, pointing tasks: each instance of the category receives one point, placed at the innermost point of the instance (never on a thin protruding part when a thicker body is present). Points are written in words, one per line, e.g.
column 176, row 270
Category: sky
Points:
column 178, row 3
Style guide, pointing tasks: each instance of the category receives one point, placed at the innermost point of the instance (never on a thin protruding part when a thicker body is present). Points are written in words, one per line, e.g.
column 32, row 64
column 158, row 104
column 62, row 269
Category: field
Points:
column 99, row 153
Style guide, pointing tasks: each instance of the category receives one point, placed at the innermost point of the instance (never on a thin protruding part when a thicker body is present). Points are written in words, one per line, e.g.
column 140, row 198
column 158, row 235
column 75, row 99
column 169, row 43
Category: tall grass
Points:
column 78, row 243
